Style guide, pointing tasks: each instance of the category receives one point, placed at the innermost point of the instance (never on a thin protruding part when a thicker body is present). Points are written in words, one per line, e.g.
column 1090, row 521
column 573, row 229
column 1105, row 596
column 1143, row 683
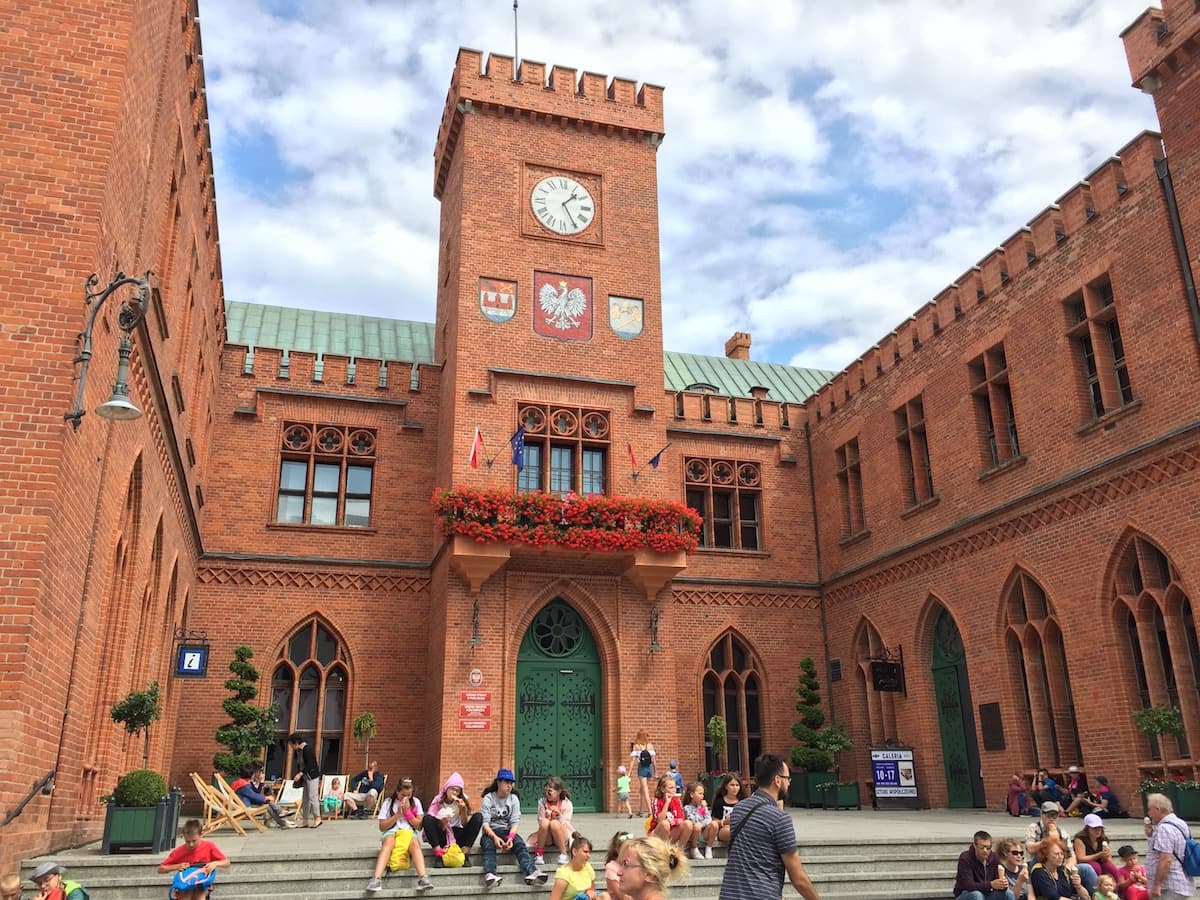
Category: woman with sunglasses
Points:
column 647, row 864
column 1012, row 864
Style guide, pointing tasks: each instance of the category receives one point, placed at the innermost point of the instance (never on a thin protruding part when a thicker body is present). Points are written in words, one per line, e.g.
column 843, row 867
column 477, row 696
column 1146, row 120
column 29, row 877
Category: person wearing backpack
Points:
column 1171, row 851
column 642, row 753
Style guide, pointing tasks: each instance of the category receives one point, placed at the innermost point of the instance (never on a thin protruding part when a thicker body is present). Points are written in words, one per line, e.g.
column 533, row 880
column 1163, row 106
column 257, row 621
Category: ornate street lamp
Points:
column 132, row 311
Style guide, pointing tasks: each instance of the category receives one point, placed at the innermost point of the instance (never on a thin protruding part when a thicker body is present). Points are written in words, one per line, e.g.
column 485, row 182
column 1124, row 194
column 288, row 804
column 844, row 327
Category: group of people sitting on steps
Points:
column 1050, row 865
column 451, row 826
column 1070, row 790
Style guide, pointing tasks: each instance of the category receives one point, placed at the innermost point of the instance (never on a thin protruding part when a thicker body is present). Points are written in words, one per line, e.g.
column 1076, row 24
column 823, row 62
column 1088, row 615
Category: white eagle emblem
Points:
column 564, row 308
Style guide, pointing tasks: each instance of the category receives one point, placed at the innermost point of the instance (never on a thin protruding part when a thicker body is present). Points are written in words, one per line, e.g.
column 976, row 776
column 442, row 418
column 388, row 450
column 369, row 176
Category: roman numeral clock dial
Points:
column 562, row 204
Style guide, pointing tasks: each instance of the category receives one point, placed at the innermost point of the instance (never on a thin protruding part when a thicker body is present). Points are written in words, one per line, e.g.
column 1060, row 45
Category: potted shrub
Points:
column 837, row 794
column 809, row 762
column 718, row 742
column 363, row 730
column 1157, row 722
column 141, row 815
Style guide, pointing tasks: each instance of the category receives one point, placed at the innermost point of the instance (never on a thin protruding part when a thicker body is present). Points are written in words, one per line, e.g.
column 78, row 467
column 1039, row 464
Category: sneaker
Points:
column 424, row 884
column 291, row 823
column 539, row 859
column 563, row 859
column 375, row 884
column 708, row 852
column 695, row 853
column 537, row 876
column 491, row 879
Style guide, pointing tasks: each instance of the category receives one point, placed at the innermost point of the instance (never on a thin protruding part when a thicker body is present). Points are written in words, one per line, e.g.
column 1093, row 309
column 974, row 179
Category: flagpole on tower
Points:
column 516, row 51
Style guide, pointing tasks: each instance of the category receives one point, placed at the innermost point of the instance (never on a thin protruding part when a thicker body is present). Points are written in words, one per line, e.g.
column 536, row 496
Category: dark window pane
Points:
column 326, row 478
column 593, row 471
column 530, row 477
column 331, row 755
column 722, row 505
column 334, row 719
column 306, row 709
column 753, row 714
column 281, row 696
column 358, row 480
column 719, row 658
column 277, row 759
column 739, row 656
column 326, row 646
column 561, row 466
column 293, row 475
column 300, row 645
column 290, row 509
column 722, row 534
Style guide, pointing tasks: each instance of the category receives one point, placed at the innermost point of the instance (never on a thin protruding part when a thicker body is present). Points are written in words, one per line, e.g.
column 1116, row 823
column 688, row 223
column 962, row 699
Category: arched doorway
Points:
column 558, row 708
column 960, row 749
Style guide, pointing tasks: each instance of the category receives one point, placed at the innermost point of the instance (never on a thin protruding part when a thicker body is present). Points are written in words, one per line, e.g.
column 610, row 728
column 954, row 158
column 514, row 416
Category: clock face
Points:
column 562, row 204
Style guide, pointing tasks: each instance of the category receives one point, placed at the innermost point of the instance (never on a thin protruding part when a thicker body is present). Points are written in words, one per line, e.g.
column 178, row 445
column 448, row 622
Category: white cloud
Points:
column 827, row 168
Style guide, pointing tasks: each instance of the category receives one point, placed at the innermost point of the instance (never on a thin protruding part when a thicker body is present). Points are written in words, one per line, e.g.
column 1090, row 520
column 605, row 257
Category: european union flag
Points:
column 518, row 447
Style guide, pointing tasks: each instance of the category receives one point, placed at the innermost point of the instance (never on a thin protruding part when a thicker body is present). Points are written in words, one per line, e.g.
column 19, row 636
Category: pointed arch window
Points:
column 310, row 684
column 1163, row 665
column 1037, row 658
column 731, row 688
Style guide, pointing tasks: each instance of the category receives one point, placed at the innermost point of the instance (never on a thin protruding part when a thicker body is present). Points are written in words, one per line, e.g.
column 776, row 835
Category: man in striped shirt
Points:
column 762, row 841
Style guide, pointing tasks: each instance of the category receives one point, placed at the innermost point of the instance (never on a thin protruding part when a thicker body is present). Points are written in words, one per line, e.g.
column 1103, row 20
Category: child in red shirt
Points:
column 667, row 820
column 194, row 852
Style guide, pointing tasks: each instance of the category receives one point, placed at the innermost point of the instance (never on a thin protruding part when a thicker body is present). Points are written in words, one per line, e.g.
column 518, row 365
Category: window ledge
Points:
column 1110, row 418
column 923, row 505
column 320, row 529
column 1015, row 463
column 851, row 539
column 733, row 551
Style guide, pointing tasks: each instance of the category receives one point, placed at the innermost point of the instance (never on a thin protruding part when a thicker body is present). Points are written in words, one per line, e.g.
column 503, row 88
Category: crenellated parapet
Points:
column 556, row 95
column 1111, row 183
column 1160, row 42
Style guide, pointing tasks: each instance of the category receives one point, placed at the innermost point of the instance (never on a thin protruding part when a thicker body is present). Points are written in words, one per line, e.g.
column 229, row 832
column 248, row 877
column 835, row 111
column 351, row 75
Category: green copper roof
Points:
column 735, row 377
column 338, row 334
column 368, row 337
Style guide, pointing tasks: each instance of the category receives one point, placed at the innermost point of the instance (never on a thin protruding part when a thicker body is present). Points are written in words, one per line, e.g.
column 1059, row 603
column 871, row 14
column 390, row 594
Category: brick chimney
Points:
column 738, row 346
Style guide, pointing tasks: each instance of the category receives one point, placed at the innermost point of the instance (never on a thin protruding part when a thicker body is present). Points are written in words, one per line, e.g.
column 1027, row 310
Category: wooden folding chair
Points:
column 326, row 787
column 238, row 808
column 379, row 799
column 216, row 810
column 291, row 798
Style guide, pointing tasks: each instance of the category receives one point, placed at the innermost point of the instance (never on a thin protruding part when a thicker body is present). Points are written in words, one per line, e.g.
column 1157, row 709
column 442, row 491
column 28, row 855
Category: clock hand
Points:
column 569, row 216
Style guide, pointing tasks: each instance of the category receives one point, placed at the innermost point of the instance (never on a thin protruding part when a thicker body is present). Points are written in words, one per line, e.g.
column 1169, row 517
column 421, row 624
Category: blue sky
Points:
column 910, row 137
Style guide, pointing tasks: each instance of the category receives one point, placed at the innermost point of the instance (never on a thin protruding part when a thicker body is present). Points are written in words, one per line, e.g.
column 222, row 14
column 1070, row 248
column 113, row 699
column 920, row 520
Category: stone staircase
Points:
column 872, row 868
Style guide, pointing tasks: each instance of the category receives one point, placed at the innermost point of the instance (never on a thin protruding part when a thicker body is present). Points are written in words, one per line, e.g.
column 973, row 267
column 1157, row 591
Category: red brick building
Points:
column 1002, row 488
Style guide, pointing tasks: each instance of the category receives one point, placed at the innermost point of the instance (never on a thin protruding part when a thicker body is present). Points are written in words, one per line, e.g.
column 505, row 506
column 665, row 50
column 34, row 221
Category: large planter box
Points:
column 149, row 828
column 1187, row 803
column 841, row 796
column 803, row 789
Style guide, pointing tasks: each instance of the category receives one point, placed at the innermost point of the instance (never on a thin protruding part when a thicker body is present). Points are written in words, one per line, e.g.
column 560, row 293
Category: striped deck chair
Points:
column 216, row 810
column 238, row 807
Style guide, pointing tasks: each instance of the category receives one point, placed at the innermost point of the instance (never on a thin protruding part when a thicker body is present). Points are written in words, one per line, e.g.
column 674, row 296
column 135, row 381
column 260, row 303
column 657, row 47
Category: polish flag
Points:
column 632, row 458
column 476, row 448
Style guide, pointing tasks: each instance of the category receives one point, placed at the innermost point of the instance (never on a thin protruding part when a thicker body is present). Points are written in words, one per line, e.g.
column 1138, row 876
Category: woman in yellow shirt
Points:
column 576, row 878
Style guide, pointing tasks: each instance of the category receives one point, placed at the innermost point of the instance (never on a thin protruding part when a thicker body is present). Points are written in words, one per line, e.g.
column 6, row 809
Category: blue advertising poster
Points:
column 893, row 773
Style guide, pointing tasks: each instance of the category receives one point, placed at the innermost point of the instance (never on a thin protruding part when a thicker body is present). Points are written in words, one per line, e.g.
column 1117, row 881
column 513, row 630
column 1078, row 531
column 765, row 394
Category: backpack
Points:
column 1191, row 854
column 645, row 759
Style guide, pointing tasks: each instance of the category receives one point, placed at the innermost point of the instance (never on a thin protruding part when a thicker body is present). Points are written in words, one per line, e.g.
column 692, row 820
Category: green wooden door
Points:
column 960, row 755
column 558, row 709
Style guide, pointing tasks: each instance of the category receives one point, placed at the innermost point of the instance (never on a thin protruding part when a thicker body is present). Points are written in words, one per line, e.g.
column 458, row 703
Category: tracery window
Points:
column 732, row 689
column 1036, row 654
column 566, row 449
column 325, row 475
column 310, row 684
column 727, row 495
column 1162, row 667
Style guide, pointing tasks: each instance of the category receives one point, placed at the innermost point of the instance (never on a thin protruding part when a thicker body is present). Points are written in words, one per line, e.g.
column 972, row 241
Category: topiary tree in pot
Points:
column 141, row 815
column 807, row 756
column 364, row 729
column 137, row 712
column 251, row 727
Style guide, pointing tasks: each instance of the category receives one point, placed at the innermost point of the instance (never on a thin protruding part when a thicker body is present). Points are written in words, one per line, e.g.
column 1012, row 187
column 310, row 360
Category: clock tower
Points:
column 548, row 271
